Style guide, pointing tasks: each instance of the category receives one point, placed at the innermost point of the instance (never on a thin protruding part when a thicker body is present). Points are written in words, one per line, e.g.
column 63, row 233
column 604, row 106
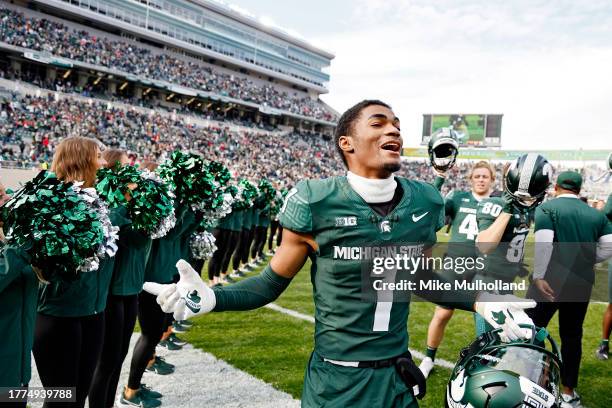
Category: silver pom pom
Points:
column 111, row 233
column 203, row 245
column 165, row 226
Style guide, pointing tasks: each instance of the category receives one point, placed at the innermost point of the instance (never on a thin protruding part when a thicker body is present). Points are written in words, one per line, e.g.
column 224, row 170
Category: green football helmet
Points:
column 519, row 374
column 527, row 179
column 443, row 149
column 610, row 162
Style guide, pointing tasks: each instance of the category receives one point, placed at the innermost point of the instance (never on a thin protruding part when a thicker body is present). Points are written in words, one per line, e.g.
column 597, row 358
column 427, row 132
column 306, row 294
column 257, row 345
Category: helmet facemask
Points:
column 443, row 149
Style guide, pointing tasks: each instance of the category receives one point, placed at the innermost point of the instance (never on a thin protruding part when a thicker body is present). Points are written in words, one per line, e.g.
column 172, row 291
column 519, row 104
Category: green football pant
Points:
column 331, row 385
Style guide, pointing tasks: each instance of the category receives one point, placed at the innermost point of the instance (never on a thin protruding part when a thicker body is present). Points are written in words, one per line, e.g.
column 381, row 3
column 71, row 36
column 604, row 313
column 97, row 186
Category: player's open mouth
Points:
column 392, row 146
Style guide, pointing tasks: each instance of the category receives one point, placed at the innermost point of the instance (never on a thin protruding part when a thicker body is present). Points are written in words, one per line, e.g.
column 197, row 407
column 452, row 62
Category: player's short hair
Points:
column 346, row 123
column 483, row 165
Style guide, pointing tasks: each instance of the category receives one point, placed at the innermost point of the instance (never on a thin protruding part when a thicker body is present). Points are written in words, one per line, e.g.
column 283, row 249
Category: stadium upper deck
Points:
column 211, row 29
column 69, row 44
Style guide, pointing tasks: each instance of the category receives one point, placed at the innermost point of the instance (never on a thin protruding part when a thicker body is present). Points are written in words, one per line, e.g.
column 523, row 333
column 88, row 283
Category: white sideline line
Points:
column 417, row 354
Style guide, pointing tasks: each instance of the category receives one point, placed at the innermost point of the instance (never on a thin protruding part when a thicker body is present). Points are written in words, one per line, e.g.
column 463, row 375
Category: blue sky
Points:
column 546, row 65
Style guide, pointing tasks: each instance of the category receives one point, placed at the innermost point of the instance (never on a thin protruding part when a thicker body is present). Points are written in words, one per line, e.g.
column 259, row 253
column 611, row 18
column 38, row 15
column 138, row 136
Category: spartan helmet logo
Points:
column 385, row 226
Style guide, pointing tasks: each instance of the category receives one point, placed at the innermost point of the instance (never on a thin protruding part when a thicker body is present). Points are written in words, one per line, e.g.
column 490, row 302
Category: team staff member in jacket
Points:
column 18, row 292
column 563, row 274
column 70, row 320
column 122, row 305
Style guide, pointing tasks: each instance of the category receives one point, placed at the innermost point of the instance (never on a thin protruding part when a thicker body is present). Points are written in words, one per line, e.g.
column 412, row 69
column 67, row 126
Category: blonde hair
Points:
column 483, row 165
column 149, row 165
column 76, row 159
column 113, row 156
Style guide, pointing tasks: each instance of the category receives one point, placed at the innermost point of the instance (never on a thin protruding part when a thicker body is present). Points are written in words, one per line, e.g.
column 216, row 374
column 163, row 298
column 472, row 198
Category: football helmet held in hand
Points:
column 527, row 179
column 493, row 374
column 443, row 149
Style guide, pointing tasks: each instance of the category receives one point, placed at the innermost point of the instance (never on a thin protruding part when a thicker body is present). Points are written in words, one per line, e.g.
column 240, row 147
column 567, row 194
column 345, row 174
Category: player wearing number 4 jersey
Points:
column 360, row 357
column 461, row 207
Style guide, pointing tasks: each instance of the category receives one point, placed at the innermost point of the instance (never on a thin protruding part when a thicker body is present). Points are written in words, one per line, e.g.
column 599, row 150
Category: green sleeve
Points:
column 438, row 182
column 449, row 204
column 295, row 214
column 543, row 220
column 608, row 208
column 118, row 216
column 251, row 293
column 606, row 227
column 12, row 262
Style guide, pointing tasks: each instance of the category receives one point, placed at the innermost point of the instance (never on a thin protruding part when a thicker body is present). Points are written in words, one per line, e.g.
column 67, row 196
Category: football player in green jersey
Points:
column 360, row 357
column 461, row 207
column 503, row 222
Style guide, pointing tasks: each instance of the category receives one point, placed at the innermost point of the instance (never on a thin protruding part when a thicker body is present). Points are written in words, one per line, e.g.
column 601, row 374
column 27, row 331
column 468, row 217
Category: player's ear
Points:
column 346, row 144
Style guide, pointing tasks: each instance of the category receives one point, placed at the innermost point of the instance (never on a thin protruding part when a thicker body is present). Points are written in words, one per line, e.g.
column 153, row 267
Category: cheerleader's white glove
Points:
column 187, row 298
column 506, row 312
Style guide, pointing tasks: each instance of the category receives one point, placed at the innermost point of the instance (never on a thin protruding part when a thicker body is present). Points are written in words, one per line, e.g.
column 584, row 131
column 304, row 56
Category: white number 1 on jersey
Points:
column 382, row 313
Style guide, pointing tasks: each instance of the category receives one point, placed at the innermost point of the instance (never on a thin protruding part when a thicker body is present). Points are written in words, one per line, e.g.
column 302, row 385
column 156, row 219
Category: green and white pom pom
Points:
column 222, row 176
column 194, row 183
column 247, row 192
column 151, row 208
column 202, row 245
column 266, row 189
column 65, row 229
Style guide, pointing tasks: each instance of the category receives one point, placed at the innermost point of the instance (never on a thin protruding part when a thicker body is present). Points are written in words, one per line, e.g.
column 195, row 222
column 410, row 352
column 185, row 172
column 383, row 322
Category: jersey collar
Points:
column 365, row 208
column 567, row 196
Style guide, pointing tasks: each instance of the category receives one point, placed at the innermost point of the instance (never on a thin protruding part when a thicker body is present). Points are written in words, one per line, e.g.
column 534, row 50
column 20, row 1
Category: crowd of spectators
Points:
column 41, row 34
column 31, row 126
column 62, row 85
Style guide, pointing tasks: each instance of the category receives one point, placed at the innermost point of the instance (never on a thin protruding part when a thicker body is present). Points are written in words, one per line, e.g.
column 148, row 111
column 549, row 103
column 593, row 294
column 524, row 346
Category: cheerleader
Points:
column 18, row 292
column 164, row 254
column 122, row 306
column 70, row 319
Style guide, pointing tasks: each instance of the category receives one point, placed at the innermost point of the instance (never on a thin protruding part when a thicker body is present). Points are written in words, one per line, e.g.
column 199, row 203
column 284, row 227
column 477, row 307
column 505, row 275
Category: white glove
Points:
column 507, row 312
column 189, row 297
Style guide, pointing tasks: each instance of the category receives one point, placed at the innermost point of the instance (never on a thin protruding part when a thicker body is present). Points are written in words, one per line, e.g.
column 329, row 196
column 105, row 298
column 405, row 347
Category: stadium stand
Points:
column 62, row 39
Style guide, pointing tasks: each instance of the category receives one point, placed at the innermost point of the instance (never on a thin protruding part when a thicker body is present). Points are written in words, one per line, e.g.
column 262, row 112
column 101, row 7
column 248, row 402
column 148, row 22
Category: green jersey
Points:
column 461, row 207
column 577, row 227
column 608, row 208
column 343, row 225
column 18, row 296
column 263, row 219
column 504, row 262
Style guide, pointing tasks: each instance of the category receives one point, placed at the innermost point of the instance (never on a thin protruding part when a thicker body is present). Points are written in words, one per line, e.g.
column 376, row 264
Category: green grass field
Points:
column 275, row 347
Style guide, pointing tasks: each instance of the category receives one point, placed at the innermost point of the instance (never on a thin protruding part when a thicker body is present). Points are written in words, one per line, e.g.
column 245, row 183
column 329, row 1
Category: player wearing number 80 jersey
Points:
column 504, row 261
column 504, row 221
